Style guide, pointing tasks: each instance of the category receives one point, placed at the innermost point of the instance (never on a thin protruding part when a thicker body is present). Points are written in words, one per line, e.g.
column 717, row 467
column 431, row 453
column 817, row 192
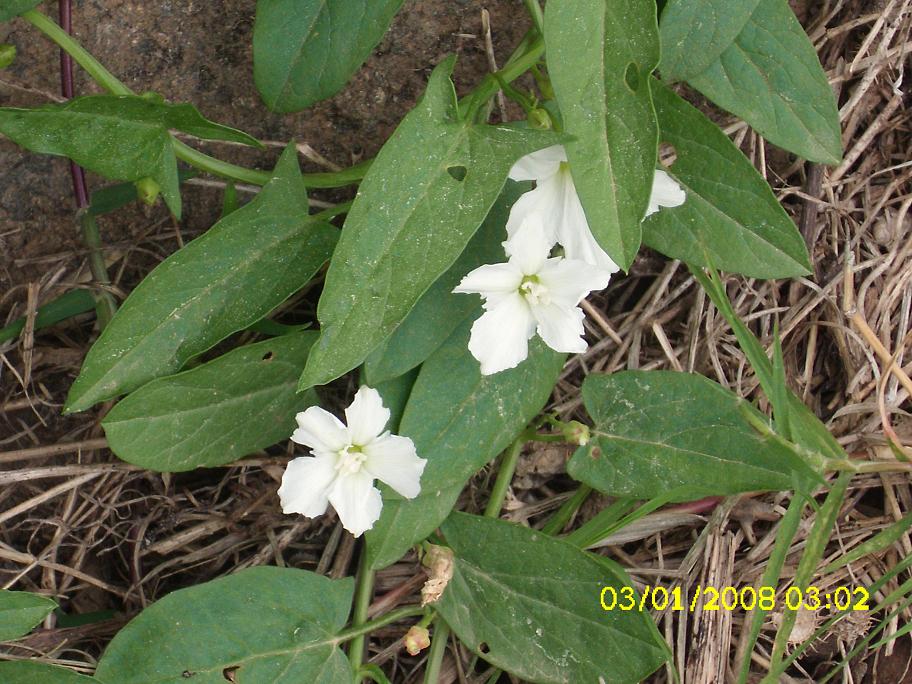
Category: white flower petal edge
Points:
column 346, row 461
column 366, row 417
column 538, row 165
column 665, row 193
column 319, row 430
column 544, row 299
column 555, row 201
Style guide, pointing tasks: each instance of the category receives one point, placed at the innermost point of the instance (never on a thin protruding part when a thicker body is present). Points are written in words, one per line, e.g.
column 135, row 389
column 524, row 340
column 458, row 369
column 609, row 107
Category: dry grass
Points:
column 104, row 536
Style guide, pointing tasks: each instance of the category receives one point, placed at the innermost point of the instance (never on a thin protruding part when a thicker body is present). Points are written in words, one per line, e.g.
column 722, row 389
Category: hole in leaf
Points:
column 229, row 673
column 632, row 77
column 668, row 155
column 186, row 674
column 457, row 172
column 483, row 648
column 268, row 356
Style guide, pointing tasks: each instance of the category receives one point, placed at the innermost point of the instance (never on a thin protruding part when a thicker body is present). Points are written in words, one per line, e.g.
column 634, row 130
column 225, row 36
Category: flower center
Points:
column 350, row 460
column 535, row 293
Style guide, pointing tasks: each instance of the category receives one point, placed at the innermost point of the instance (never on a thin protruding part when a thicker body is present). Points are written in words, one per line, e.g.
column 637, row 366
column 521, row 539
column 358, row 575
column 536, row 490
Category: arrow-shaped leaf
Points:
column 216, row 413
column 263, row 624
column 121, row 137
column 422, row 200
column 600, row 56
column 730, row 217
column 227, row 279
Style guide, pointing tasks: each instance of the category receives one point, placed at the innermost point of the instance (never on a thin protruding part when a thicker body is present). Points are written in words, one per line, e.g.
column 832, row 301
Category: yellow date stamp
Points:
column 746, row 598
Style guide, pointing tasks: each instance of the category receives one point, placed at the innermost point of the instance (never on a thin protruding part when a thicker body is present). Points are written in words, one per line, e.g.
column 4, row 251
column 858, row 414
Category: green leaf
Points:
column 33, row 672
column 771, row 77
column 306, row 50
column 439, row 312
column 459, row 420
column 658, row 431
column 730, row 217
column 808, row 430
column 880, row 541
column 222, row 282
column 122, row 137
column 263, row 624
column 20, row 611
column 66, row 306
column 423, row 198
column 695, row 33
column 215, row 413
column 600, row 55
column 13, row 8
column 533, row 601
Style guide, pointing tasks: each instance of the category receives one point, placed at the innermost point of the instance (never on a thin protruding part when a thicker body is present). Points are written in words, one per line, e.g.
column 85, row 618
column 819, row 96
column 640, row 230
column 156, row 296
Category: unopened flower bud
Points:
column 7, row 54
column 540, row 119
column 148, row 190
column 417, row 639
column 576, row 433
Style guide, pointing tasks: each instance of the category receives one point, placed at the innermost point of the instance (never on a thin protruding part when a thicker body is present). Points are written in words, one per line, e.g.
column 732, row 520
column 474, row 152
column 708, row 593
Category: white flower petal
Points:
column 665, row 193
column 357, row 501
column 529, row 246
column 491, row 278
column 320, row 430
column 366, row 416
column 306, row 484
column 539, row 165
column 574, row 235
column 561, row 328
column 546, row 201
column 392, row 459
column 569, row 280
column 500, row 338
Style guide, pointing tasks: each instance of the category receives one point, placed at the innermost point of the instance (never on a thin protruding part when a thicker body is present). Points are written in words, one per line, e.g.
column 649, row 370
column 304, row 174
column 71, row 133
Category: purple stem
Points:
column 65, row 11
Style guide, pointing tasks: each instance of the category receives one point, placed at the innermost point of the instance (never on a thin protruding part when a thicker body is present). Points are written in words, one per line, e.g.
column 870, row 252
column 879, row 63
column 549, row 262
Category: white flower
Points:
column 530, row 292
column 346, row 461
column 555, row 200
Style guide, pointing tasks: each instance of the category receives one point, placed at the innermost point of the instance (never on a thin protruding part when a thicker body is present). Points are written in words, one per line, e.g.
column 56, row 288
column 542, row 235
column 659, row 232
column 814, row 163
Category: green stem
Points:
column 535, row 11
column 437, row 651
column 788, row 528
column 505, row 476
column 194, row 157
column 329, row 213
column 80, row 55
column 105, row 306
column 363, row 593
column 560, row 519
column 393, row 616
column 472, row 103
column 217, row 167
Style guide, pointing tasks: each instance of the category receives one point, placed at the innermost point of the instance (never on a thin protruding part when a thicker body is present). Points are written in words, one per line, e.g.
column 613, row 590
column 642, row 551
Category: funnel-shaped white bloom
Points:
column 555, row 200
column 346, row 460
column 529, row 293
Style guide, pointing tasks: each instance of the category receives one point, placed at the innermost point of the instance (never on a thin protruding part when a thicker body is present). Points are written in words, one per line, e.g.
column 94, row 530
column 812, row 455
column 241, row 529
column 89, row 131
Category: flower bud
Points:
column 147, row 190
column 417, row 639
column 7, row 54
column 540, row 119
column 576, row 433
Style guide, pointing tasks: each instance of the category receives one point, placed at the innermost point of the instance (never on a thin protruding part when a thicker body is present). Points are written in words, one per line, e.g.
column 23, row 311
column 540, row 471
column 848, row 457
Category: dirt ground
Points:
column 201, row 52
column 109, row 540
